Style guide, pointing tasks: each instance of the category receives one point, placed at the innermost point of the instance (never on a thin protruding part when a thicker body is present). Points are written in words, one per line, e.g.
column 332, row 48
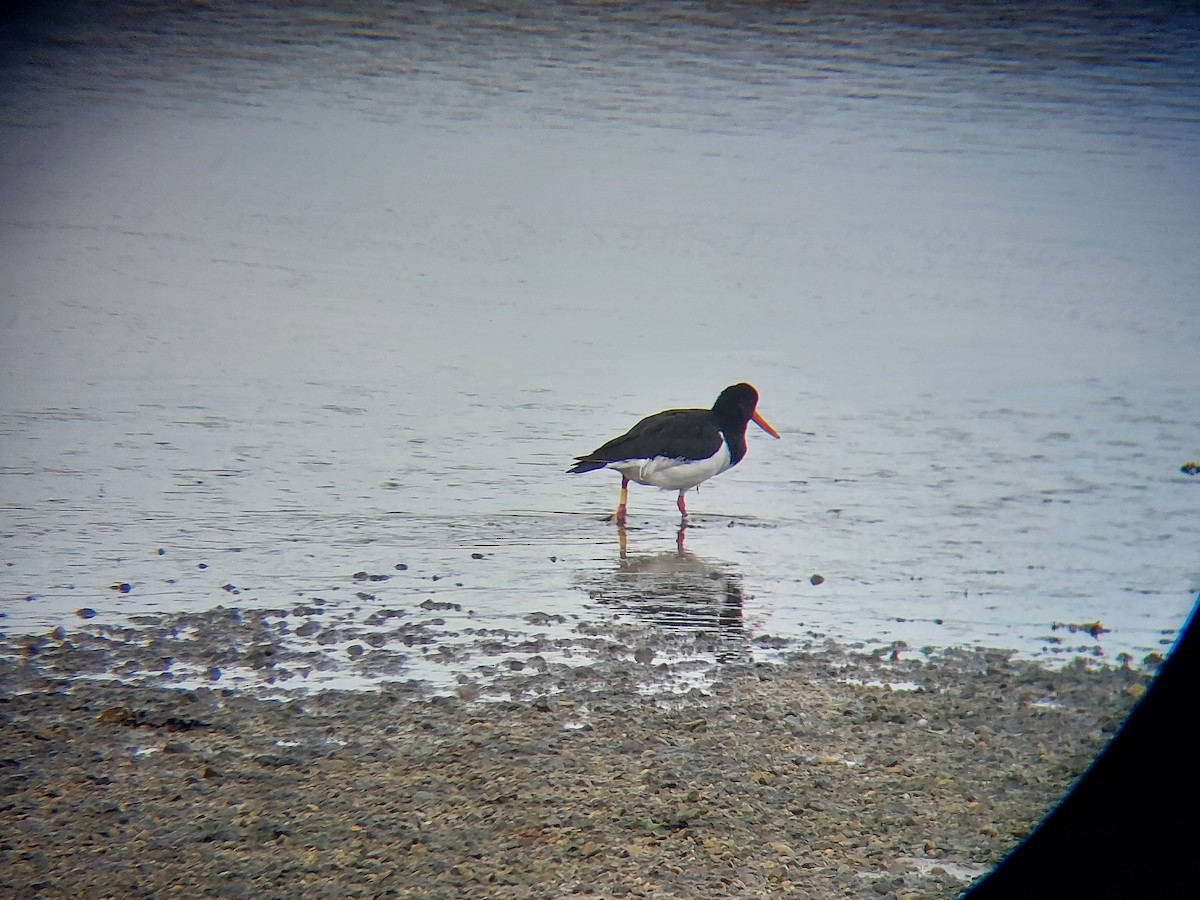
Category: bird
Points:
column 677, row 449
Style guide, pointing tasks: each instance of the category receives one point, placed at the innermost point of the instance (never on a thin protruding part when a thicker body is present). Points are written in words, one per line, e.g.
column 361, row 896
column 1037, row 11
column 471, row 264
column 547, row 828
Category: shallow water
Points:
column 289, row 298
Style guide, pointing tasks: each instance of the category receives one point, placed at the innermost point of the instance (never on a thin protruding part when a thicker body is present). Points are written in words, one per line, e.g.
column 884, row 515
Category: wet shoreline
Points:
column 834, row 773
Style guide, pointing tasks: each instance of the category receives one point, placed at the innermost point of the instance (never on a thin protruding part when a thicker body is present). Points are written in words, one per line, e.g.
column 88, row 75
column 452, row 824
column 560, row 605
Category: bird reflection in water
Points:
column 680, row 591
column 623, row 540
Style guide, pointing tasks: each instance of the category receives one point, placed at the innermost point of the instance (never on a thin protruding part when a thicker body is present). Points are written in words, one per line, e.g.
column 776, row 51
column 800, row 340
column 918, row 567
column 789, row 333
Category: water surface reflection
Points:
column 293, row 297
column 700, row 599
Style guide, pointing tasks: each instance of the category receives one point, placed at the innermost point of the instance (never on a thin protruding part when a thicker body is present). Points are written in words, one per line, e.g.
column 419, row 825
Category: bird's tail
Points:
column 583, row 464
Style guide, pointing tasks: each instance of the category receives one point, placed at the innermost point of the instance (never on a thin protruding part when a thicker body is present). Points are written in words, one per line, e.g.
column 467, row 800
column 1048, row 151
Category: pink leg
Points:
column 619, row 518
column 682, row 506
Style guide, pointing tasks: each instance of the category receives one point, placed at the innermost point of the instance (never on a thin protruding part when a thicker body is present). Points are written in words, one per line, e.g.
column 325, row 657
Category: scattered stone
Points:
column 432, row 604
column 537, row 776
column 1095, row 629
column 467, row 692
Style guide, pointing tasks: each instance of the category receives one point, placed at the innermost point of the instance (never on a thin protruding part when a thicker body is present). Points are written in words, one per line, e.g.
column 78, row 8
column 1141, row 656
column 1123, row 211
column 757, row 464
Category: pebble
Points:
column 809, row 783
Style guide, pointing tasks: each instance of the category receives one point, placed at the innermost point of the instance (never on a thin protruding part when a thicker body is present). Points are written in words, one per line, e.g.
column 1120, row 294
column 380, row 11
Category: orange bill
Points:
column 764, row 425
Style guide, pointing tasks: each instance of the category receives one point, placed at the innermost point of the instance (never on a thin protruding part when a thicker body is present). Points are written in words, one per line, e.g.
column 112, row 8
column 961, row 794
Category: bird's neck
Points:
column 735, row 440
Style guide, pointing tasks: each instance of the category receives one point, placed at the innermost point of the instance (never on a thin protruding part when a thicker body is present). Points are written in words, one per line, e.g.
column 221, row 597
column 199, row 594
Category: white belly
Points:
column 674, row 474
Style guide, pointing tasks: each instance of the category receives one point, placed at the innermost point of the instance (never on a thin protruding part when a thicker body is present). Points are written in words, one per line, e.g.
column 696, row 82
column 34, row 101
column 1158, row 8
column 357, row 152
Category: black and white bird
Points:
column 678, row 449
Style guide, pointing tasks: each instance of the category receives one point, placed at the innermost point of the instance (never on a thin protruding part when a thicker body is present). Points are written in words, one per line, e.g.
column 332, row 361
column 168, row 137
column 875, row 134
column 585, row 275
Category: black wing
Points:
column 675, row 433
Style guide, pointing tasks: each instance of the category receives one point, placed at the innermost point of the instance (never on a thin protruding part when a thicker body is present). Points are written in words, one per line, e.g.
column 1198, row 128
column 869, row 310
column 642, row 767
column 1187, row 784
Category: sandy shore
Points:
column 838, row 774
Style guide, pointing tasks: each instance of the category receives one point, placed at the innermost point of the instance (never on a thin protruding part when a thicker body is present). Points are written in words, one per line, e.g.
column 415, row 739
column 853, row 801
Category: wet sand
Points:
column 841, row 773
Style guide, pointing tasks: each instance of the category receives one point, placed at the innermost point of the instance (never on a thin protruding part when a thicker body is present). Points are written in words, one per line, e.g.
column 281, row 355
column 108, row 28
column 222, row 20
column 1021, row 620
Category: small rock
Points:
column 467, row 692
column 115, row 715
column 277, row 761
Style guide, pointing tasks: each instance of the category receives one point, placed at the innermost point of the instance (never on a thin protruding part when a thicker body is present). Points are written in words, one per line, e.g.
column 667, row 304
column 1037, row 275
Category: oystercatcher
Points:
column 677, row 449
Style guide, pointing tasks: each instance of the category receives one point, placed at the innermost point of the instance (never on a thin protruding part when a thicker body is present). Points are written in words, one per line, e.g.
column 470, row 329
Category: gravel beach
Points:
column 839, row 773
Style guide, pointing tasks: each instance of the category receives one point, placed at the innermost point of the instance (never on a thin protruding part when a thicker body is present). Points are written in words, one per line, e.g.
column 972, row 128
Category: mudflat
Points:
column 840, row 773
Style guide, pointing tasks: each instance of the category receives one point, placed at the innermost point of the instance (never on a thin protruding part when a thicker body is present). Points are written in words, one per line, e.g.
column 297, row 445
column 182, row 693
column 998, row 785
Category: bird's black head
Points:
column 736, row 404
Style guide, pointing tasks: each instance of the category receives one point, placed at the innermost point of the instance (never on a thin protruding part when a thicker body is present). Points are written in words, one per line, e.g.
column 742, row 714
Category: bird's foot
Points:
column 618, row 517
